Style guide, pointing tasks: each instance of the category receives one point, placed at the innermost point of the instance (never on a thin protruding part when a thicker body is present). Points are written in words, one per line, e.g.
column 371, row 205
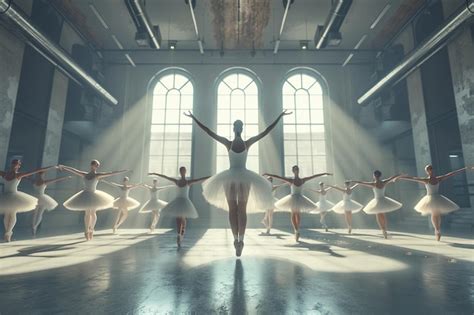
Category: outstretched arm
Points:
column 450, row 174
column 211, row 133
column 337, row 188
column 111, row 184
column 56, row 180
column 285, row 179
column 275, row 187
column 414, row 179
column 392, row 178
column 267, row 130
column 365, row 184
column 197, row 180
column 72, row 170
column 305, row 179
column 108, row 174
column 174, row 180
column 21, row 175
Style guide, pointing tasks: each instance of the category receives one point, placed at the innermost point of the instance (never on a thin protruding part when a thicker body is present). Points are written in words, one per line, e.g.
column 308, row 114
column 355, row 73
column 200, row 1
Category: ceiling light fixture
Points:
column 130, row 60
column 98, row 16
column 361, row 40
column 117, row 42
column 380, row 16
column 172, row 44
column 347, row 59
column 304, row 44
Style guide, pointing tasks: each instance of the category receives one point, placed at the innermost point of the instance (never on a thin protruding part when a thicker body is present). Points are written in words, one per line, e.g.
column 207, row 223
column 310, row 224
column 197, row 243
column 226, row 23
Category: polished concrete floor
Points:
column 325, row 273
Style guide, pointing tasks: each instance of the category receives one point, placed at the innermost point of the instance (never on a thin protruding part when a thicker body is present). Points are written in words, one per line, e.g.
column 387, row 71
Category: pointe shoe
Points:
column 326, row 229
column 114, row 230
column 240, row 247
column 385, row 235
column 297, row 236
column 33, row 232
column 178, row 241
column 86, row 235
column 8, row 237
column 236, row 244
column 349, row 230
column 268, row 231
column 438, row 236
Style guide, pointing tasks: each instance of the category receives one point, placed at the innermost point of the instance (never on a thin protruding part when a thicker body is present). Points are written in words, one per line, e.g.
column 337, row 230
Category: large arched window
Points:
column 170, row 143
column 237, row 98
column 304, row 137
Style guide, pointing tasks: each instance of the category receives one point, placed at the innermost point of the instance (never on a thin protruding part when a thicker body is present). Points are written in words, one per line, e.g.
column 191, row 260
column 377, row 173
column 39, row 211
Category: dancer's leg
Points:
column 242, row 210
column 123, row 217
column 93, row 221
column 322, row 220
column 270, row 220
column 436, row 221
column 9, row 222
column 117, row 220
column 87, row 223
column 233, row 216
column 348, row 217
column 382, row 222
column 154, row 221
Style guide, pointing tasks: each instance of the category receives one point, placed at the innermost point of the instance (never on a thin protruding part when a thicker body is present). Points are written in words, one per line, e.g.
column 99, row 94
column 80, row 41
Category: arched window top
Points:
column 171, row 134
column 237, row 98
column 304, row 131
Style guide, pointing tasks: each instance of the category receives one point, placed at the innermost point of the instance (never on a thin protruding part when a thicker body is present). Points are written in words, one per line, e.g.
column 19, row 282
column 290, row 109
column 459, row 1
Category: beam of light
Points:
column 340, row 260
column 40, row 254
column 380, row 16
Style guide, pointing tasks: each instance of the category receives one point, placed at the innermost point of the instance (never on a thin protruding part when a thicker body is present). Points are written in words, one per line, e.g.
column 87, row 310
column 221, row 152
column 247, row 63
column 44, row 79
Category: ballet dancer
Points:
column 347, row 206
column 380, row 204
column 123, row 203
column 154, row 204
column 45, row 202
column 434, row 203
column 13, row 201
column 238, row 189
column 90, row 199
column 267, row 220
column 324, row 205
column 296, row 202
column 181, row 206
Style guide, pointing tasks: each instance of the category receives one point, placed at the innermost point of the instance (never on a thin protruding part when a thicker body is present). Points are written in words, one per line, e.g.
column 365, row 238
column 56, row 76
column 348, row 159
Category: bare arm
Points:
column 108, row 174
column 21, row 175
column 450, row 174
column 267, row 130
column 211, row 133
column 111, row 184
column 414, row 179
column 197, row 180
column 165, row 177
column 392, row 178
column 56, row 180
column 305, row 179
column 337, row 188
column 72, row 170
column 365, row 184
column 285, row 179
column 275, row 187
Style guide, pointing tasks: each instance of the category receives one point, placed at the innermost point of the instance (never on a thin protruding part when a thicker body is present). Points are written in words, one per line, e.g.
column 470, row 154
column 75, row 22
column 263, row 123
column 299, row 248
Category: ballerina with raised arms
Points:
column 347, row 206
column 181, row 206
column 45, row 202
column 296, row 202
column 238, row 189
column 154, row 204
column 381, row 204
column 90, row 199
column 323, row 205
column 434, row 203
column 124, row 203
column 13, row 201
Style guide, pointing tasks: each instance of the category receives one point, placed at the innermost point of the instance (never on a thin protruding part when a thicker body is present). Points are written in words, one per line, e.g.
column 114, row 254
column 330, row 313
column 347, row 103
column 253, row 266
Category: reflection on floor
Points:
column 326, row 273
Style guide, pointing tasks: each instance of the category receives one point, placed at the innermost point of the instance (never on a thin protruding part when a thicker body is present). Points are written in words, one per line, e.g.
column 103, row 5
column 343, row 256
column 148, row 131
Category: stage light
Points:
column 304, row 44
column 172, row 44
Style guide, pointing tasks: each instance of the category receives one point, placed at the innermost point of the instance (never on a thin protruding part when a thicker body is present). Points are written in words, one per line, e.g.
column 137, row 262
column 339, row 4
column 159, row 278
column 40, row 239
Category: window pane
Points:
column 237, row 99
column 158, row 117
column 171, row 133
column 304, row 134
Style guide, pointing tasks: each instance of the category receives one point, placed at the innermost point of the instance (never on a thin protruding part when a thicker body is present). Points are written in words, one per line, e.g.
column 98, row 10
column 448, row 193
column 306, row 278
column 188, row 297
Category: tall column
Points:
column 11, row 57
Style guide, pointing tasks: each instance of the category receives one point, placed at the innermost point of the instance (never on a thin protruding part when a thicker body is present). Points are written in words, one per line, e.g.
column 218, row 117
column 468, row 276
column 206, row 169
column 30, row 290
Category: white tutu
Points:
column 381, row 204
column 153, row 204
column 15, row 201
column 323, row 205
column 435, row 203
column 89, row 198
column 125, row 203
column 347, row 205
column 44, row 201
column 296, row 201
column 181, row 206
column 238, row 180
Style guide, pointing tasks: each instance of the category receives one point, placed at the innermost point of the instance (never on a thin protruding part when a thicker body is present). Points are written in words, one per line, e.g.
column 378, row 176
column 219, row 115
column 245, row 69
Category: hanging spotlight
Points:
column 304, row 44
column 172, row 44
